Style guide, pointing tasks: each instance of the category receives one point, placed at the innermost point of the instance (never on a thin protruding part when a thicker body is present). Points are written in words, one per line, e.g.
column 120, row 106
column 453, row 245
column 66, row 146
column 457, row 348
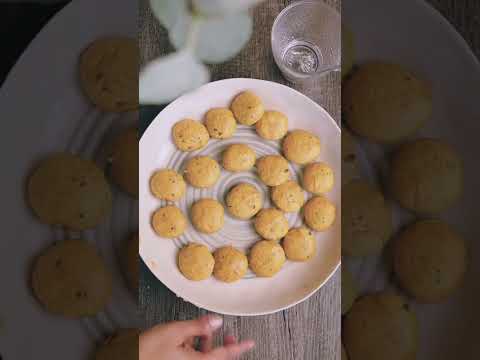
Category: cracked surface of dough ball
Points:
column 202, row 171
column 301, row 147
column 190, row 135
column 169, row 222
column 207, row 215
column 349, row 290
column 167, row 184
column 381, row 326
column 366, row 219
column 238, row 157
column 67, row 190
column 426, row 176
column 266, row 258
column 244, row 201
column 299, row 244
column 196, row 262
column 319, row 213
column 124, row 161
column 318, row 178
column 288, row 196
column 109, row 73
column 385, row 102
column 122, row 345
column 271, row 224
column 248, row 108
column 272, row 126
column 430, row 260
column 71, row 279
column 230, row 264
column 273, row 170
column 220, row 123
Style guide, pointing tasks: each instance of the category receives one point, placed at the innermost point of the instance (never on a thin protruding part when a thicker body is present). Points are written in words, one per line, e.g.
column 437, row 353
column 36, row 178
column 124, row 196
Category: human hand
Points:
column 176, row 340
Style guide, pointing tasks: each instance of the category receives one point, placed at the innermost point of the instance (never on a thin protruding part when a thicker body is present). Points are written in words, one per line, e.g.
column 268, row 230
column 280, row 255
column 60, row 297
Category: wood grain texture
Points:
column 311, row 330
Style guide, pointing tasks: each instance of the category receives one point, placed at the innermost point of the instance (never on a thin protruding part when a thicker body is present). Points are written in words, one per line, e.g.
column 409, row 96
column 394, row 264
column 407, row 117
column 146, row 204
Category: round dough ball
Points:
column 109, row 73
column 220, row 123
column 244, row 201
column 266, row 258
column 190, row 135
column 349, row 157
column 272, row 126
column 288, row 196
column 202, row 171
column 319, row 213
column 123, row 345
column 349, row 290
column 230, row 264
column 299, row 244
column 167, row 184
column 273, row 170
column 366, row 219
column 381, row 326
column 207, row 216
column 301, row 147
column 247, row 108
column 426, row 176
column 430, row 260
column 169, row 222
column 385, row 103
column 318, row 178
column 195, row 262
column 133, row 262
column 67, row 190
column 71, row 279
column 238, row 157
column 271, row 224
column 124, row 161
column 348, row 51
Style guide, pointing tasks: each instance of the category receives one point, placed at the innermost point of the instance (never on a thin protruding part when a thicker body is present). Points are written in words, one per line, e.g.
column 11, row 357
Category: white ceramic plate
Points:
column 251, row 295
column 414, row 34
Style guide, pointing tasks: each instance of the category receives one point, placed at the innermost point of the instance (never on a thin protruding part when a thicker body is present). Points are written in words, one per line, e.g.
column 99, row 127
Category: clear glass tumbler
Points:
column 306, row 40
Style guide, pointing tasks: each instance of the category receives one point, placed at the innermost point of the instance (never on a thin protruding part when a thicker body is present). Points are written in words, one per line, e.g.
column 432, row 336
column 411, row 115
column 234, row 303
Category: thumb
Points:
column 231, row 351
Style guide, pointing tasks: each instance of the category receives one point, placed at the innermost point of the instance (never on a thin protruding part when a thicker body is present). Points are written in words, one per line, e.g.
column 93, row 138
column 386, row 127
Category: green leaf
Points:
column 169, row 12
column 219, row 7
column 168, row 77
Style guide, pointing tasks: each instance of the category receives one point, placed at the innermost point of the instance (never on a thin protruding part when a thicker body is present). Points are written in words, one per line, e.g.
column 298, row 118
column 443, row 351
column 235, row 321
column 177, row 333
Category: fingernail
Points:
column 215, row 321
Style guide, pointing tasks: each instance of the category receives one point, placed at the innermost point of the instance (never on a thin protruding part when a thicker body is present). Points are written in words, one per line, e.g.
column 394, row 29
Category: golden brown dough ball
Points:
column 71, row 279
column 273, row 170
column 202, row 172
column 426, row 176
column 288, row 196
column 167, row 184
column 244, row 201
column 319, row 213
column 271, row 224
column 190, row 135
column 195, row 262
column 301, row 147
column 299, row 244
column 220, row 123
column 430, row 260
column 272, row 126
column 266, row 258
column 207, row 215
column 381, row 326
column 318, row 178
column 238, row 157
column 385, row 102
column 230, row 264
column 248, row 108
column 366, row 219
column 124, row 161
column 169, row 222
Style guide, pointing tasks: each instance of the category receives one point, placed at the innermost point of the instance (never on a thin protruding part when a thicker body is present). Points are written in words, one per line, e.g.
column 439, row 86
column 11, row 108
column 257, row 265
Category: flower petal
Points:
column 219, row 7
column 168, row 12
column 170, row 76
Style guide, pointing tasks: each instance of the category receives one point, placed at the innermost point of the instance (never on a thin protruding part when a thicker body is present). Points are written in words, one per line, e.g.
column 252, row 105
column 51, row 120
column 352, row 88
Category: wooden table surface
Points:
column 311, row 330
